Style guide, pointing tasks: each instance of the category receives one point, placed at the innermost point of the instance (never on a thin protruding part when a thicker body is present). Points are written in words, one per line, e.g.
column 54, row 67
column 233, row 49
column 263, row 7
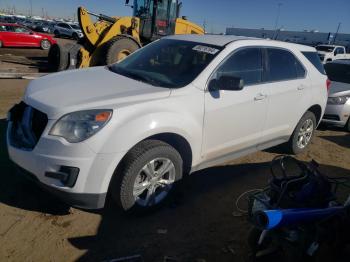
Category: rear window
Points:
column 325, row 48
column 315, row 60
column 338, row 72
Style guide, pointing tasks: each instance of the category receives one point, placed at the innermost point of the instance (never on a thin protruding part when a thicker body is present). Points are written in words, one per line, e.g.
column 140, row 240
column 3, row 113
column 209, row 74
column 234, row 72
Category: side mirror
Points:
column 229, row 83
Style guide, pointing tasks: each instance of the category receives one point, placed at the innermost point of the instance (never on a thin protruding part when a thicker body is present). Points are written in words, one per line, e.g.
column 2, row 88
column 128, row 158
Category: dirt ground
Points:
column 200, row 224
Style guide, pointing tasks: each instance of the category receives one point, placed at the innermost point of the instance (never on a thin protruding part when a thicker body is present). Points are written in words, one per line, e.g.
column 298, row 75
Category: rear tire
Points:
column 136, row 188
column 117, row 49
column 45, row 44
column 303, row 134
column 1, row 44
column 56, row 33
column 58, row 58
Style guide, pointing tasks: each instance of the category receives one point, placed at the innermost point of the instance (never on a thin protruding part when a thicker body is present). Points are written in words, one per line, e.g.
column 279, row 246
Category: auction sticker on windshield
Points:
column 206, row 49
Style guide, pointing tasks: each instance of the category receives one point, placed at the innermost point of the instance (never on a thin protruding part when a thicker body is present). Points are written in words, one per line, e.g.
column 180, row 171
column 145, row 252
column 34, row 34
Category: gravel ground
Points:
column 199, row 224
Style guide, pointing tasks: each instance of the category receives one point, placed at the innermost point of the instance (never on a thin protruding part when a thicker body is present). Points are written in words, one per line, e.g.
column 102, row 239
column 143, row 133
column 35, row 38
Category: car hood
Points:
column 339, row 89
column 91, row 88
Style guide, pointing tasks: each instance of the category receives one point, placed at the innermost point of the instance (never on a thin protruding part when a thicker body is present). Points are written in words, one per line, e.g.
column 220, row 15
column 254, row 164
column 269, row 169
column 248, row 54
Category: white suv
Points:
column 178, row 105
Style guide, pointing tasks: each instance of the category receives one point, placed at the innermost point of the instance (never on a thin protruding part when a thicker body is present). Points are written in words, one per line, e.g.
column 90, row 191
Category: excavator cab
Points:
column 157, row 17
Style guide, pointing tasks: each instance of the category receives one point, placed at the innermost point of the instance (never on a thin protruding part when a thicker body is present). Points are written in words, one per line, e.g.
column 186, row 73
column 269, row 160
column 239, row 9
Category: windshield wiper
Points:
column 136, row 76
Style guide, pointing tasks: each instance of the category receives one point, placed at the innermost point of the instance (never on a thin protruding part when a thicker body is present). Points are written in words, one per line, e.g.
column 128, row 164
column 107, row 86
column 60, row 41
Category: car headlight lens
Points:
column 339, row 100
column 79, row 126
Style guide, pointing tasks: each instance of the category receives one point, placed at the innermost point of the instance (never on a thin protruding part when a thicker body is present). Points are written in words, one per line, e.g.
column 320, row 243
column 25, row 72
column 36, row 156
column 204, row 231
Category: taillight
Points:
column 328, row 84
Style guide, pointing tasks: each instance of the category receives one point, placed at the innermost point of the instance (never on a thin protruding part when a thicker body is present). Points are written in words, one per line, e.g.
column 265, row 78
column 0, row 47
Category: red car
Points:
column 13, row 35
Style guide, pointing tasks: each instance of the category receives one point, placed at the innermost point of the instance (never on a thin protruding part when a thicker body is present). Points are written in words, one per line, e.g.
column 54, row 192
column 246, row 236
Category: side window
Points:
column 10, row 28
column 21, row 30
column 300, row 69
column 339, row 50
column 3, row 28
column 245, row 64
column 282, row 66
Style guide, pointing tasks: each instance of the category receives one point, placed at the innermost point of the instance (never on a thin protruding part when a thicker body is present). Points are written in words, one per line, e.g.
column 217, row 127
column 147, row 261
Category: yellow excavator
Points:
column 110, row 39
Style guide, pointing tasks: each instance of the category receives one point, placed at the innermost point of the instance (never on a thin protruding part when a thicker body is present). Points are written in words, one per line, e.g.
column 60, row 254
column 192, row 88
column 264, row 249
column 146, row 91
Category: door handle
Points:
column 301, row 87
column 260, row 97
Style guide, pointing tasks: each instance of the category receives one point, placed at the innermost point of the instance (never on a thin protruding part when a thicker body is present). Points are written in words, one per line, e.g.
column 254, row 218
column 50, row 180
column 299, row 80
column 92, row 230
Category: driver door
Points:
column 234, row 119
column 25, row 36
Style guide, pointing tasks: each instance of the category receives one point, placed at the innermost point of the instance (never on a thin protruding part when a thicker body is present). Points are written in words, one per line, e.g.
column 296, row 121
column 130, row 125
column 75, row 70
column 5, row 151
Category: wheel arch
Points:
column 317, row 111
column 179, row 142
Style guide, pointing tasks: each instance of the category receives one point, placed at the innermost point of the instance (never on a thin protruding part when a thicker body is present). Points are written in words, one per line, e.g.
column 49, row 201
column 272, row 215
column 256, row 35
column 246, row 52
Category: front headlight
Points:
column 79, row 126
column 339, row 100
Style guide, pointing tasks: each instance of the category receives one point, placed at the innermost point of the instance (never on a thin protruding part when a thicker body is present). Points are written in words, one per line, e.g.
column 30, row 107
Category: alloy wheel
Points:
column 305, row 133
column 154, row 181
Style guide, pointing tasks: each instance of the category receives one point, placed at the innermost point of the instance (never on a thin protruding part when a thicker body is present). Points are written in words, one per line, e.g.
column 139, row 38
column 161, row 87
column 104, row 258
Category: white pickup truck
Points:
column 328, row 53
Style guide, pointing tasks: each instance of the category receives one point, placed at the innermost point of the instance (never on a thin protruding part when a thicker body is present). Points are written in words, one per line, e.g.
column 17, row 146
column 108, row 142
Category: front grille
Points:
column 28, row 124
column 331, row 117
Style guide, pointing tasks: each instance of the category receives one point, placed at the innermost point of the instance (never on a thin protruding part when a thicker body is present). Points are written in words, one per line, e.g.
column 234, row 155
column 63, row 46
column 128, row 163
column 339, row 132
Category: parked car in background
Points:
column 68, row 30
column 178, row 105
column 14, row 35
column 39, row 26
column 338, row 105
column 328, row 53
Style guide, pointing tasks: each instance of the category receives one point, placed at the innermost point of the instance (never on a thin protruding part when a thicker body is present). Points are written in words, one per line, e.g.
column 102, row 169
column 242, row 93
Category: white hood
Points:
column 91, row 88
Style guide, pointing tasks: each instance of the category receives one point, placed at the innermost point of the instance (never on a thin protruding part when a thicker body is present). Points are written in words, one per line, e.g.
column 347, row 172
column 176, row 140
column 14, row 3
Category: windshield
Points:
column 325, row 48
column 338, row 72
column 167, row 63
column 143, row 8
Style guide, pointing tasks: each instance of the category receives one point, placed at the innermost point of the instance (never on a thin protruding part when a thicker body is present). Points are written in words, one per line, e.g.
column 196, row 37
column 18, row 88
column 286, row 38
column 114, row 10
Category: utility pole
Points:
column 336, row 33
column 31, row 7
column 278, row 15
column 205, row 25
column 277, row 19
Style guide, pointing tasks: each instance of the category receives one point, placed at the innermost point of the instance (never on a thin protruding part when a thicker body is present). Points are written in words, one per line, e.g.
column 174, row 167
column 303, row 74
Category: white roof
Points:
column 223, row 40
column 218, row 40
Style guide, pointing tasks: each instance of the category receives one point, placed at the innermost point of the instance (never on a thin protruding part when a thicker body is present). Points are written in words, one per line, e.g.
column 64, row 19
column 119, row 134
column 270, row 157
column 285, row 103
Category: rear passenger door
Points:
column 288, row 94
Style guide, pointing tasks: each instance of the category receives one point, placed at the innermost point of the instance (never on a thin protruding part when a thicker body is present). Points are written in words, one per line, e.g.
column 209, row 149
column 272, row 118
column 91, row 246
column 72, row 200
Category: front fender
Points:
column 124, row 134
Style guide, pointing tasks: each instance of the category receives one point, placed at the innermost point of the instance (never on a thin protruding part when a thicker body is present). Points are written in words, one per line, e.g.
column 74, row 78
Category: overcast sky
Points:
column 322, row 15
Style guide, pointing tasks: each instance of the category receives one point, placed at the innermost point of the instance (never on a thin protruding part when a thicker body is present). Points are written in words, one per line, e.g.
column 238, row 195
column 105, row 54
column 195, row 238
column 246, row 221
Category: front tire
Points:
column 147, row 176
column 303, row 134
column 58, row 58
column 347, row 126
column 1, row 44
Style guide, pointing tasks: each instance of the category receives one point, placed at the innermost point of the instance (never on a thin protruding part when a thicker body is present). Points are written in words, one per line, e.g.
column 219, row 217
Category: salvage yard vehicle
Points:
column 328, row 53
column 178, row 105
column 338, row 105
column 111, row 39
column 13, row 35
column 68, row 30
